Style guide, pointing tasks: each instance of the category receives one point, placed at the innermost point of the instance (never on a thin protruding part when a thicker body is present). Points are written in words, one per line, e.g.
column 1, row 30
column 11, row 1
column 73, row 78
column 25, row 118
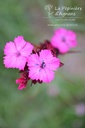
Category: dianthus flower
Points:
column 38, row 63
column 41, row 66
column 63, row 40
column 22, row 81
column 16, row 53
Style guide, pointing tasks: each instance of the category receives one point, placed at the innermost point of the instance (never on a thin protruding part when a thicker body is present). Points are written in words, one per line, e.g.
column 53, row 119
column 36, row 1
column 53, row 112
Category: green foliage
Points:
column 33, row 107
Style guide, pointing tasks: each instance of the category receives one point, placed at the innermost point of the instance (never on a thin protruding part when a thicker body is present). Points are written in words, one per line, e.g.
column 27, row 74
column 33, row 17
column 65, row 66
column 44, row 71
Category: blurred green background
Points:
column 60, row 104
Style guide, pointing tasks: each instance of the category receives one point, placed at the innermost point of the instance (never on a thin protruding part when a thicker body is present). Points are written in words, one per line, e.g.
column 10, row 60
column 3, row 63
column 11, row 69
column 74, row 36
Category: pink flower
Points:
column 21, row 83
column 64, row 40
column 16, row 53
column 41, row 66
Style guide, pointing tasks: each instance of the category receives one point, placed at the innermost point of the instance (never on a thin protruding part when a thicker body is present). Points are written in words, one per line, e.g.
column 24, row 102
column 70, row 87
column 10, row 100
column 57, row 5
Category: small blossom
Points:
column 22, row 81
column 41, row 66
column 16, row 53
column 63, row 40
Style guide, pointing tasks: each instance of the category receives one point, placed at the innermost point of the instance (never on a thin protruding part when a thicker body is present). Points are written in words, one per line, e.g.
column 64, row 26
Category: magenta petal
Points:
column 71, row 35
column 10, row 48
column 63, row 48
column 34, row 73
column 14, row 62
column 19, row 42
column 60, row 32
column 55, row 41
column 33, row 60
column 17, row 81
column 46, row 55
column 21, row 86
column 53, row 64
column 27, row 49
column 48, row 76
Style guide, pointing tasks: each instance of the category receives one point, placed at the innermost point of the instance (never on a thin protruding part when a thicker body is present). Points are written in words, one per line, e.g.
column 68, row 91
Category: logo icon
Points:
column 49, row 9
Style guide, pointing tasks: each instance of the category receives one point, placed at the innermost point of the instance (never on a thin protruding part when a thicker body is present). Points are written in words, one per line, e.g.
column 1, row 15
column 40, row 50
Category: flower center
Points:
column 43, row 65
column 63, row 39
column 18, row 54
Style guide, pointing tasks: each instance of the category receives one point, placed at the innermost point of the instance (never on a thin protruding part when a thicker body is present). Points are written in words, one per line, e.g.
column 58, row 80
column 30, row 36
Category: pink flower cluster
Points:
column 38, row 63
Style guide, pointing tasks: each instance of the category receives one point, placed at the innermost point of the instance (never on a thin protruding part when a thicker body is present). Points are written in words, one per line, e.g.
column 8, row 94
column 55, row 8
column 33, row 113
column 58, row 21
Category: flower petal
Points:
column 21, row 86
column 14, row 62
column 45, row 55
column 48, row 76
column 53, row 64
column 34, row 73
column 10, row 48
column 19, row 42
column 33, row 60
